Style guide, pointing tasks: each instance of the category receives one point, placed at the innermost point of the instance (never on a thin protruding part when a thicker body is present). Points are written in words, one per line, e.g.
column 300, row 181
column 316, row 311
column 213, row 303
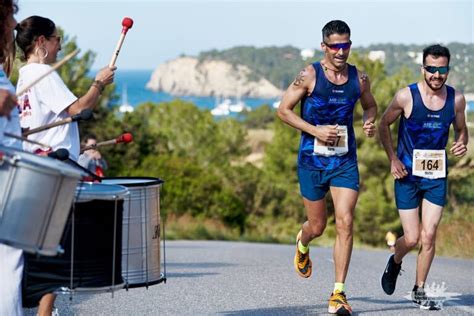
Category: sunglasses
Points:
column 338, row 46
column 56, row 37
column 432, row 69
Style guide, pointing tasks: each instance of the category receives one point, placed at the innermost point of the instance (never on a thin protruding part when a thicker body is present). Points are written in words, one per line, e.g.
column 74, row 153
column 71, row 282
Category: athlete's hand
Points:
column 398, row 169
column 369, row 129
column 458, row 149
column 326, row 133
column 7, row 102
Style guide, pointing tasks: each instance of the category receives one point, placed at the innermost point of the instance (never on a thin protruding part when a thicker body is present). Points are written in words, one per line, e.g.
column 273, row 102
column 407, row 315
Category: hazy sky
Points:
column 164, row 30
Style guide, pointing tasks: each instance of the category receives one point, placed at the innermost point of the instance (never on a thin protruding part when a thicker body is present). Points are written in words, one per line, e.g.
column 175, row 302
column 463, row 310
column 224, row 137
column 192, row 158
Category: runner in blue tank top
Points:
column 427, row 110
column 327, row 159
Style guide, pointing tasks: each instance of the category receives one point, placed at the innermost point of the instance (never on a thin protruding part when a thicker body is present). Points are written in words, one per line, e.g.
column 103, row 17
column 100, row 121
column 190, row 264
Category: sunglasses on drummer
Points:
column 56, row 37
column 433, row 69
column 338, row 46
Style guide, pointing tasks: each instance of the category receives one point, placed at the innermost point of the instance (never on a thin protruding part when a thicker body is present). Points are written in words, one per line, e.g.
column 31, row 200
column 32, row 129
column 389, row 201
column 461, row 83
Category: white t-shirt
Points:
column 11, row 125
column 45, row 103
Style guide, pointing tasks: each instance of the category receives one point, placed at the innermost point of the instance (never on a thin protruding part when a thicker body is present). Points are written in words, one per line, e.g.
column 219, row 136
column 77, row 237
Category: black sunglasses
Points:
column 433, row 69
column 338, row 46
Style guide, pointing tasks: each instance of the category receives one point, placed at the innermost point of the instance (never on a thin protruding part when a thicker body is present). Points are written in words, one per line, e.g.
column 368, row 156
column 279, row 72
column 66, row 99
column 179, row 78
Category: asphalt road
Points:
column 236, row 278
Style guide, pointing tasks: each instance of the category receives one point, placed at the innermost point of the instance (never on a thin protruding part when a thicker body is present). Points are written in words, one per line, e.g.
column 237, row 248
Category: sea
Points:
column 134, row 82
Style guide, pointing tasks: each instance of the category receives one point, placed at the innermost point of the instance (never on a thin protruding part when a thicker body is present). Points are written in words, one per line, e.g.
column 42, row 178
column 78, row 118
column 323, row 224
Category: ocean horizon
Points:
column 134, row 81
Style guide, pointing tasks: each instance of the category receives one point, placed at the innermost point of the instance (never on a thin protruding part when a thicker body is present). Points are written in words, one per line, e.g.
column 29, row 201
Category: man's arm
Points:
column 394, row 110
column 369, row 105
column 461, row 135
column 299, row 88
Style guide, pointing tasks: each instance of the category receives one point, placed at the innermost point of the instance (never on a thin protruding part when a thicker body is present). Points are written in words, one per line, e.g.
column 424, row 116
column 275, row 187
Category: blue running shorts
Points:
column 314, row 184
column 409, row 193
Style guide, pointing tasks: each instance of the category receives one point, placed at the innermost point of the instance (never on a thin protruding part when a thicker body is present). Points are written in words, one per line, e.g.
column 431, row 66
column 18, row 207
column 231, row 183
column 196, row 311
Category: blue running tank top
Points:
column 424, row 129
column 329, row 104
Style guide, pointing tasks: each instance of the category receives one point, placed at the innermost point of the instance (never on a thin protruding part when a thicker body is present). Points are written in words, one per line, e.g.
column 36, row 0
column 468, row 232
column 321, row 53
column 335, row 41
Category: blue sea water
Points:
column 135, row 82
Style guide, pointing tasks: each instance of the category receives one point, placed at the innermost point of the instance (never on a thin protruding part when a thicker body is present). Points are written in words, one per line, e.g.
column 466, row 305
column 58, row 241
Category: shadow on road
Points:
column 198, row 265
column 188, row 275
column 367, row 299
column 283, row 310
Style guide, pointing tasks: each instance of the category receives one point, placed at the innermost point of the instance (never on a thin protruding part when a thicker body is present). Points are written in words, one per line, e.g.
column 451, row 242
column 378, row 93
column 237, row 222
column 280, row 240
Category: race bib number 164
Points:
column 429, row 164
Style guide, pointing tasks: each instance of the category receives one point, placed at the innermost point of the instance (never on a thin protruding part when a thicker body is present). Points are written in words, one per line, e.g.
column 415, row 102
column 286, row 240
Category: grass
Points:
column 454, row 238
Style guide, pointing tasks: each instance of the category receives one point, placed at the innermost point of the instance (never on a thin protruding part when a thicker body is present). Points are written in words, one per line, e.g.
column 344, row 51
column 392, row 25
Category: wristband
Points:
column 99, row 85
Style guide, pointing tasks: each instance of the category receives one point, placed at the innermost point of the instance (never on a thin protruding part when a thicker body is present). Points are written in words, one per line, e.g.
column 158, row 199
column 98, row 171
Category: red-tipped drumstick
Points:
column 127, row 24
column 124, row 138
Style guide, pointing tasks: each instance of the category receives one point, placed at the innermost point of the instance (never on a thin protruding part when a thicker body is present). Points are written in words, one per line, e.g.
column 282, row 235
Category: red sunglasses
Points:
column 338, row 46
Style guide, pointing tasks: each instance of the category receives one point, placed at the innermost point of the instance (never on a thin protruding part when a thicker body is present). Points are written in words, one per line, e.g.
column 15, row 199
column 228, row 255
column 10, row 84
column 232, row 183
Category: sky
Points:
column 166, row 29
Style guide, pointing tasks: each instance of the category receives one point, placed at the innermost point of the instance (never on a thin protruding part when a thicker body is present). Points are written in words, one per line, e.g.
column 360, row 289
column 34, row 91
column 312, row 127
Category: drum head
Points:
column 133, row 181
column 86, row 191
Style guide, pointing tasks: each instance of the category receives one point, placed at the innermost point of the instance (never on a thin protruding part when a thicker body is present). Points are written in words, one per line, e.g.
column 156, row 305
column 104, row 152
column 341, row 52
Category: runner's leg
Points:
column 431, row 216
column 411, row 233
column 344, row 203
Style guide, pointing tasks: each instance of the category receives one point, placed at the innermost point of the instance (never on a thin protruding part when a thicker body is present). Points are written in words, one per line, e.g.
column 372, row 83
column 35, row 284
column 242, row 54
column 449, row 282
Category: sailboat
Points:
column 276, row 104
column 125, row 107
column 221, row 108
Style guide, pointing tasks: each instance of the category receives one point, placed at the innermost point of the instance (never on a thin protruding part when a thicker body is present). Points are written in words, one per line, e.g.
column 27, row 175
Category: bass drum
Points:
column 141, row 230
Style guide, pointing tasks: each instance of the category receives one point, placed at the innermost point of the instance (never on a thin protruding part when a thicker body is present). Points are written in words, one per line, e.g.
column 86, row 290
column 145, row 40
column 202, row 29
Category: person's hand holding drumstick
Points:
column 7, row 102
column 104, row 77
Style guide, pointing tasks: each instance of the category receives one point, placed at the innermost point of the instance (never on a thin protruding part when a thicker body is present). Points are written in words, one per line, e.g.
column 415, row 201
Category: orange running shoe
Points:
column 338, row 304
column 303, row 265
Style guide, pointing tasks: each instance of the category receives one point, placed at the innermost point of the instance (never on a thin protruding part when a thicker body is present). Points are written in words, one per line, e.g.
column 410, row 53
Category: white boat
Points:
column 239, row 106
column 227, row 106
column 125, row 107
column 276, row 104
column 221, row 108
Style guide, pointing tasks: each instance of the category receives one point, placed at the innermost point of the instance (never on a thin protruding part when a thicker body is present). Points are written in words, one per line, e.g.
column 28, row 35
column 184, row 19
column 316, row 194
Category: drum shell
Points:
column 36, row 194
column 141, row 230
column 89, row 249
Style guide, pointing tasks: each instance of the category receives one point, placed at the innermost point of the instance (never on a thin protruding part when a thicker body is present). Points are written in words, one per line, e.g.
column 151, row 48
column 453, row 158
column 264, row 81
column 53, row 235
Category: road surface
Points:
column 238, row 278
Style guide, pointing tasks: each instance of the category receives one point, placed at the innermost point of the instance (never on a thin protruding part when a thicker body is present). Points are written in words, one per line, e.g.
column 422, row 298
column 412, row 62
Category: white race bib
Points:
column 337, row 148
column 430, row 164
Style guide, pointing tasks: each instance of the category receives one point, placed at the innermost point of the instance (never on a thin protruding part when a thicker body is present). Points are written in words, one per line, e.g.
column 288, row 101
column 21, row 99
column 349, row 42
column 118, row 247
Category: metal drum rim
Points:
column 83, row 197
column 62, row 170
column 154, row 181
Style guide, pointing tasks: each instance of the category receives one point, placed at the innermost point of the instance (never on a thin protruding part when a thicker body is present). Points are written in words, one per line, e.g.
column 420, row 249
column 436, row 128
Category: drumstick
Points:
column 127, row 24
column 53, row 68
column 84, row 115
column 124, row 138
column 22, row 138
column 71, row 162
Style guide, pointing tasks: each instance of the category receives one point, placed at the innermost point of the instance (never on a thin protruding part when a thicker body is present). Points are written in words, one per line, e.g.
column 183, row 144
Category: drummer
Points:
column 50, row 101
column 11, row 259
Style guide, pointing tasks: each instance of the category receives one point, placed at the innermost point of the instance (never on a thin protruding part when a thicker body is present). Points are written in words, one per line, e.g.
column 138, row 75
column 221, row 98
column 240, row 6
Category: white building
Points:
column 377, row 55
column 307, row 53
column 416, row 56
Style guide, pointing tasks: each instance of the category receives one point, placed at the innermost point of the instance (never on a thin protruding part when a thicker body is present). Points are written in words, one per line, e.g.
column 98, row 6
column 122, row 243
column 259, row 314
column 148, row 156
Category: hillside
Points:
column 264, row 72
column 188, row 76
